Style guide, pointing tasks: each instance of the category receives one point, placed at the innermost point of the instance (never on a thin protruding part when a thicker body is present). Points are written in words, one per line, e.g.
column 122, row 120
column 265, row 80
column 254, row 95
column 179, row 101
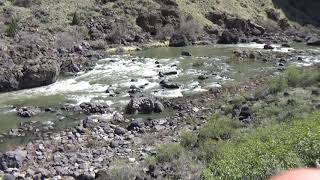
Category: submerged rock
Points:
column 268, row 46
column 169, row 85
column 186, row 53
column 28, row 112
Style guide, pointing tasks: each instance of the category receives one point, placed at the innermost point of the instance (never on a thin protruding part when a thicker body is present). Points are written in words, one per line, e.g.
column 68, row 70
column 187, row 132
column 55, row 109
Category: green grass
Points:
column 294, row 77
column 218, row 128
column 13, row 27
column 169, row 152
column 268, row 150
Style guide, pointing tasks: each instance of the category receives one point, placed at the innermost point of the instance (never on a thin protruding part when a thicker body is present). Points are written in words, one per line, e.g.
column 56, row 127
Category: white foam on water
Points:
column 308, row 61
column 199, row 89
column 277, row 47
column 168, row 93
column 212, row 85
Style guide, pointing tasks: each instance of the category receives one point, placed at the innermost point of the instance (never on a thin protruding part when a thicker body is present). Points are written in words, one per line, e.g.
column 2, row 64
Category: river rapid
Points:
column 111, row 79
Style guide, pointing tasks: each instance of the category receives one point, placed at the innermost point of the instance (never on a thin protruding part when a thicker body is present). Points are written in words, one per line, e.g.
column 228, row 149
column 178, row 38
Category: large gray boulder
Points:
column 144, row 105
column 28, row 75
column 13, row 159
column 313, row 41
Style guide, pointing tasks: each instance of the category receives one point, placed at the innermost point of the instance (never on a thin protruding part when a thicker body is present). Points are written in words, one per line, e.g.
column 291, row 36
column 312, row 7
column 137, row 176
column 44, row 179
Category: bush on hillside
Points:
column 12, row 27
column 268, row 151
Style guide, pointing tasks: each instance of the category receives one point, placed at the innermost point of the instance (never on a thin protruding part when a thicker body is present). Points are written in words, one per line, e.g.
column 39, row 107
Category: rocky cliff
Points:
column 39, row 39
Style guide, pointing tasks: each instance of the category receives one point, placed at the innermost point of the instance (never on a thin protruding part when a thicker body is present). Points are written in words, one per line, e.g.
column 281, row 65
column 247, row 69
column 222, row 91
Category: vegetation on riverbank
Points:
column 283, row 135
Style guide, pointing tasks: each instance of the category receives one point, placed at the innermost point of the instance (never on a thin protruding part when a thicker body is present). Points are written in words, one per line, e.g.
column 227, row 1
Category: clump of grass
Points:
column 218, row 128
column 75, row 19
column 169, row 152
column 294, row 77
column 278, row 84
column 189, row 140
column 298, row 77
column 268, row 150
column 13, row 27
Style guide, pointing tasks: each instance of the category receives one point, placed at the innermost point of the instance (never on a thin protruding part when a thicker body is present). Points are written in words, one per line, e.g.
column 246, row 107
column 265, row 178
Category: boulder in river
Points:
column 169, row 85
column 28, row 112
column 268, row 46
column 313, row 41
column 144, row 105
column 94, row 108
column 170, row 73
column 29, row 75
column 186, row 53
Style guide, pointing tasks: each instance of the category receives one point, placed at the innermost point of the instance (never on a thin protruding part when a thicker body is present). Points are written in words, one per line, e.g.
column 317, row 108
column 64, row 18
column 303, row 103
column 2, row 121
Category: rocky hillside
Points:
column 40, row 39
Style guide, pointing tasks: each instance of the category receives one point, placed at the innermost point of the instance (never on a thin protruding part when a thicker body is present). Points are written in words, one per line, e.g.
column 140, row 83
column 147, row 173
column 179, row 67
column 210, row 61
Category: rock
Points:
column 94, row 108
column 229, row 37
column 8, row 177
column 179, row 40
column 202, row 77
column 120, row 131
column 244, row 113
column 186, row 53
column 315, row 92
column 285, row 45
column 144, row 105
column 258, row 41
column 13, row 159
column 27, row 112
column 141, row 105
column 158, row 107
column 117, row 117
column 170, row 73
column 135, row 125
column 89, row 122
column 114, row 144
column 14, row 133
column 273, row 14
column 169, row 85
column 268, row 46
column 29, row 75
column 313, row 41
column 284, row 24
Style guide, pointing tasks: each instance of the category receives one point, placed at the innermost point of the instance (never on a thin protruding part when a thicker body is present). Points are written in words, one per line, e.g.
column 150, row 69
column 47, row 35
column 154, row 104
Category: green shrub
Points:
column 294, row 76
column 298, row 77
column 75, row 19
column 218, row 128
column 207, row 150
column 278, row 84
column 267, row 151
column 169, row 152
column 13, row 27
column 188, row 140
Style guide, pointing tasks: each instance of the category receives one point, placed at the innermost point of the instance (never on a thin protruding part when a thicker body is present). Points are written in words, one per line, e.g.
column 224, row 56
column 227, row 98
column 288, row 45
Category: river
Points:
column 141, row 69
